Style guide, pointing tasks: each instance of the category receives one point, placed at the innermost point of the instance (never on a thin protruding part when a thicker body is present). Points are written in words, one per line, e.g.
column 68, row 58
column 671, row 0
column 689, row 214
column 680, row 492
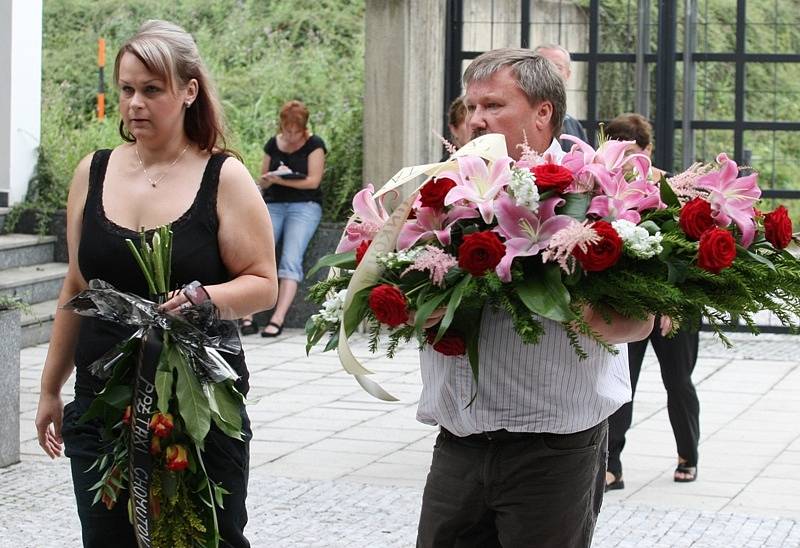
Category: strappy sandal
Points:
column 276, row 326
column 248, row 327
column 690, row 473
column 616, row 484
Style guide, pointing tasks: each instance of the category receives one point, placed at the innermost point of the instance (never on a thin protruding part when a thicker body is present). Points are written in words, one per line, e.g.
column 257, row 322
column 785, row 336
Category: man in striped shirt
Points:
column 524, row 463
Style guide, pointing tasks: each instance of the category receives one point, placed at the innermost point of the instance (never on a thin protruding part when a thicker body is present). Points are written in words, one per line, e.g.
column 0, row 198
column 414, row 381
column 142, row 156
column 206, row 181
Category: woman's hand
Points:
column 266, row 180
column 49, row 417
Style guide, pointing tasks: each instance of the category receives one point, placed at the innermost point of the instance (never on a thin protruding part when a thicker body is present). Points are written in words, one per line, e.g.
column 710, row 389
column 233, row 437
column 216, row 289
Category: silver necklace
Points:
column 154, row 182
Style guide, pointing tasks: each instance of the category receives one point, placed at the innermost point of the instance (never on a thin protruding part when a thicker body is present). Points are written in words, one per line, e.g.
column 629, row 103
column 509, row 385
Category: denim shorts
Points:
column 293, row 223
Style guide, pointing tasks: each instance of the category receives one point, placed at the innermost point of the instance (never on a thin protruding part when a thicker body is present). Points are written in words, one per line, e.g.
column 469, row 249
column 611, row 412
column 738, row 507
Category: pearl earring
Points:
column 188, row 104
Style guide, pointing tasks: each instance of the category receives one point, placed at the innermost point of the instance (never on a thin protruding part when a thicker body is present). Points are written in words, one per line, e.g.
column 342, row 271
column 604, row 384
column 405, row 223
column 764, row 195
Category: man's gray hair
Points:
column 536, row 76
column 556, row 47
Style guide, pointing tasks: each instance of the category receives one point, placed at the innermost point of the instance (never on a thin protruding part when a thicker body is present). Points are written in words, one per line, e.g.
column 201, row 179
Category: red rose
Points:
column 388, row 304
column 126, row 416
column 451, row 344
column 162, row 424
column 361, row 250
column 177, row 458
column 433, row 192
column 603, row 254
column 695, row 218
column 716, row 251
column 778, row 227
column 552, row 177
column 480, row 251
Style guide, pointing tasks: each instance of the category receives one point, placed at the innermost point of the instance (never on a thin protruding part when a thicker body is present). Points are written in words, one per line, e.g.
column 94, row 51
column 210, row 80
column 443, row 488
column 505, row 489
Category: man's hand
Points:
column 621, row 329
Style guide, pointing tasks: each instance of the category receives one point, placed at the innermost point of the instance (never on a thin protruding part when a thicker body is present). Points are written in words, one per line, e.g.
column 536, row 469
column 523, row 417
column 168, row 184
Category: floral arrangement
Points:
column 165, row 386
column 544, row 238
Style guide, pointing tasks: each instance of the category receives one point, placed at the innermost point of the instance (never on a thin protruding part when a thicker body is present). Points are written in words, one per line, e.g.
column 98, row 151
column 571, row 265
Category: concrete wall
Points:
column 404, row 85
column 20, row 94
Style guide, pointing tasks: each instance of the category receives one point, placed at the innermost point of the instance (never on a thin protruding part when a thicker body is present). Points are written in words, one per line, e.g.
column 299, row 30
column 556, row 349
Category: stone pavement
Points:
column 332, row 467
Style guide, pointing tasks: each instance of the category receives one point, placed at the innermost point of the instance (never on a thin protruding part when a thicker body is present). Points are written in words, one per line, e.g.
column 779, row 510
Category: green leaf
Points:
column 355, row 313
column 192, row 402
column 346, row 259
column 314, row 333
column 452, row 305
column 427, row 308
column 164, row 389
column 118, row 397
column 169, row 483
column 225, row 409
column 546, row 295
column 667, row 194
column 575, row 205
column 744, row 252
column 650, row 226
column 676, row 271
column 333, row 342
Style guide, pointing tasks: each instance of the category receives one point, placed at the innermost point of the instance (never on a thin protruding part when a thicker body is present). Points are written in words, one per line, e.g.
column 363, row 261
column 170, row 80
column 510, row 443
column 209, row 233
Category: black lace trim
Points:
column 210, row 178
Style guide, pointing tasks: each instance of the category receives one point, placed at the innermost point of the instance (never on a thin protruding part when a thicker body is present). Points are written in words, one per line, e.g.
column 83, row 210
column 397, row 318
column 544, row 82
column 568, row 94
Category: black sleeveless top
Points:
column 103, row 254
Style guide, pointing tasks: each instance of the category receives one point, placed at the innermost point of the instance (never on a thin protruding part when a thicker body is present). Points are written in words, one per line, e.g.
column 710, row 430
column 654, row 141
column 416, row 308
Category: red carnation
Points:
column 695, row 218
column 480, row 251
column 716, row 251
column 778, row 227
column 603, row 254
column 361, row 250
column 433, row 192
column 552, row 177
column 388, row 304
column 451, row 344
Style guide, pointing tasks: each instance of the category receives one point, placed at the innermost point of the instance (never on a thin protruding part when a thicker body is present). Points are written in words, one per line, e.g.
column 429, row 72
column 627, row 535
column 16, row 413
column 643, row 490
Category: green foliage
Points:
column 260, row 54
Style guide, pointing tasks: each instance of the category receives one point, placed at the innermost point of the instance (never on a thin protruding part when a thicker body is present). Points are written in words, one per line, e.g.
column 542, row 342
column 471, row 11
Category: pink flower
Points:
column 732, row 197
column 436, row 261
column 370, row 216
column 566, row 240
column 432, row 222
column 602, row 164
column 478, row 185
column 624, row 200
column 524, row 232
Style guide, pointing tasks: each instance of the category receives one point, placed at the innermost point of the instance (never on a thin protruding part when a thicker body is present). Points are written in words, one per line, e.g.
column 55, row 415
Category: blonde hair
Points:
column 535, row 76
column 169, row 52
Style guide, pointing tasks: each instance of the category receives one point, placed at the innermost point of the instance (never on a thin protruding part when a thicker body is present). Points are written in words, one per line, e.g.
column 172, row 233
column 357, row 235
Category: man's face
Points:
column 498, row 105
column 560, row 60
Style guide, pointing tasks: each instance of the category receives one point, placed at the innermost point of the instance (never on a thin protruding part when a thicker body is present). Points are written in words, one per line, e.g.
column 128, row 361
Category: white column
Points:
column 20, row 94
column 404, row 85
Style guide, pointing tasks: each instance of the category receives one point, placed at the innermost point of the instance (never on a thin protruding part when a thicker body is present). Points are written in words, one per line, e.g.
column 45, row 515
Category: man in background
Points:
column 561, row 59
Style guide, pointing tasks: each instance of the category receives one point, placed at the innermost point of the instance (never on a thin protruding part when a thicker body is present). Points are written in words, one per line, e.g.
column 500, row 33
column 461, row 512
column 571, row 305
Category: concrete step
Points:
column 33, row 283
column 25, row 249
column 37, row 323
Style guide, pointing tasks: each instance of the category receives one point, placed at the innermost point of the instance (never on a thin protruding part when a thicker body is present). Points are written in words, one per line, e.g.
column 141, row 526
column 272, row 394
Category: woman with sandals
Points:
column 291, row 173
column 677, row 356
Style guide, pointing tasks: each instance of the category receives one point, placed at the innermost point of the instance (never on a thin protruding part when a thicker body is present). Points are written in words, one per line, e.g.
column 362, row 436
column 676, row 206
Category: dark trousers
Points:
column 519, row 490
column 226, row 461
column 677, row 357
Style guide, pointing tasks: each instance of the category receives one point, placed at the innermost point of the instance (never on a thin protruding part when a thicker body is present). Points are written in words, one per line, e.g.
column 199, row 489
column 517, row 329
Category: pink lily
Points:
column 370, row 216
column 478, row 185
column 432, row 222
column 731, row 197
column 610, row 157
column 524, row 232
column 624, row 200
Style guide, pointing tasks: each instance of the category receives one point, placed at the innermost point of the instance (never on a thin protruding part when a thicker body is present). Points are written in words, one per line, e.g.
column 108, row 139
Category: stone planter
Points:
column 324, row 241
column 9, row 386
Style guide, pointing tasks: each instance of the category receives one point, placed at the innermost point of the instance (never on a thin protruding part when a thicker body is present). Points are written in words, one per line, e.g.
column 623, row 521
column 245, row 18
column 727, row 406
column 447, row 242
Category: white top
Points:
column 543, row 387
column 523, row 388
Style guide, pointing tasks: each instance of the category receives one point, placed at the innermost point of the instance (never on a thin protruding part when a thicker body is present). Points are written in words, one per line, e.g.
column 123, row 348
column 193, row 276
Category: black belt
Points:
column 491, row 437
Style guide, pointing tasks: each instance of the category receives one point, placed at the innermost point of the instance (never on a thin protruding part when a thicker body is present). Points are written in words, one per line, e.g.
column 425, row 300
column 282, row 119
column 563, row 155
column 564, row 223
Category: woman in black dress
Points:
column 173, row 168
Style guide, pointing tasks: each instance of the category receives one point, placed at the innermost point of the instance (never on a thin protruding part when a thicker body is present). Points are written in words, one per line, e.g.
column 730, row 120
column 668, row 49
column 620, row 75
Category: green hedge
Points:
column 260, row 54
